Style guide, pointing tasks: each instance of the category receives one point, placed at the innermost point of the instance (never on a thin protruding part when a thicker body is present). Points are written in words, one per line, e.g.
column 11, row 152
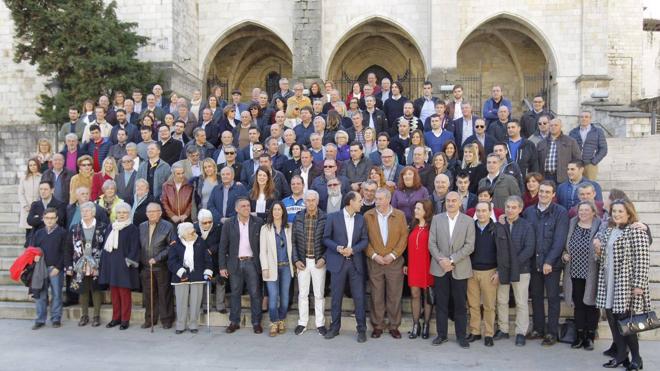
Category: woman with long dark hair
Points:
column 263, row 192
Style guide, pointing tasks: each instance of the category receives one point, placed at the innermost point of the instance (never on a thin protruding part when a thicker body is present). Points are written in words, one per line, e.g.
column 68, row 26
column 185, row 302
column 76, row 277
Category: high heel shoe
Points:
column 613, row 363
column 414, row 333
column 425, row 330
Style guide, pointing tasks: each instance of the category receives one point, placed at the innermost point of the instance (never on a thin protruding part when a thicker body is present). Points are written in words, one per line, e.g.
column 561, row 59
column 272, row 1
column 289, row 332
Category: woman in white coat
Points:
column 28, row 192
column 276, row 265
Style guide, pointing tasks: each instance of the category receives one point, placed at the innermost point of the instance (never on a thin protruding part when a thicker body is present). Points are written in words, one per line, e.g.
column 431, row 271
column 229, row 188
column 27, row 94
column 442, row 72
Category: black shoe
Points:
column 194, row 331
column 331, row 334
column 96, row 321
column 588, row 342
column 84, row 320
column 123, row 326
column 535, row 335
column 37, row 326
column 472, row 338
column 464, row 343
column 179, row 332
column 222, row 311
column 613, row 363
column 167, row 326
column 415, row 331
column 57, row 324
column 520, row 340
column 549, row 340
column 299, row 330
column 635, row 365
column 204, row 311
column 439, row 340
column 361, row 337
column 112, row 324
column 611, row 352
column 579, row 340
column 322, row 330
column 425, row 330
column 499, row 335
column 488, row 341
column 145, row 325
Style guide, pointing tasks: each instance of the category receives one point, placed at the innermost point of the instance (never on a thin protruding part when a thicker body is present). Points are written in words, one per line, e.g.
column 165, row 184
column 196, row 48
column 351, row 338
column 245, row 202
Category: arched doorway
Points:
column 379, row 71
column 505, row 52
column 249, row 57
column 272, row 83
column 380, row 45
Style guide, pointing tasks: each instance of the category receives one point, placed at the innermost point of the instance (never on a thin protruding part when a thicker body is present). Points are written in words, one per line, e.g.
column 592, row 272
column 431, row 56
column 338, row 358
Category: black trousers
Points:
column 163, row 296
column 539, row 285
column 447, row 287
column 246, row 275
column 586, row 316
column 623, row 343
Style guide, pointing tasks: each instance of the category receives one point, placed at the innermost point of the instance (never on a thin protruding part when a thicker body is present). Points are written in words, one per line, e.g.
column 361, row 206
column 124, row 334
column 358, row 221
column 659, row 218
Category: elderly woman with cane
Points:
column 191, row 265
column 119, row 263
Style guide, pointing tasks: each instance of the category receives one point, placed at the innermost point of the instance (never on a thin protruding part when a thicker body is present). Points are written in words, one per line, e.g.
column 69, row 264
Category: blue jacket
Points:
column 132, row 132
column 293, row 207
column 567, row 196
column 594, row 148
column 104, row 149
column 303, row 133
column 436, row 143
column 490, row 109
column 217, row 197
column 335, row 235
column 550, row 229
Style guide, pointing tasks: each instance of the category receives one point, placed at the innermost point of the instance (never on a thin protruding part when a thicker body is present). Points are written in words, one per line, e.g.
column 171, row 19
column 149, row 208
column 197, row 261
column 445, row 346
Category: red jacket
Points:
column 26, row 258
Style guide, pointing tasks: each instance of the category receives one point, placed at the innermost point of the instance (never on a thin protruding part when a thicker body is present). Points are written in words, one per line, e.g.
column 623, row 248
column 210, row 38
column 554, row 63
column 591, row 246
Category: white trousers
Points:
column 317, row 278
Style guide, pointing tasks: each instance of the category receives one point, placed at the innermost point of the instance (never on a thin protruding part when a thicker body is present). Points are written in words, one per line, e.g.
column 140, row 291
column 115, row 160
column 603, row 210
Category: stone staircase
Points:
column 630, row 165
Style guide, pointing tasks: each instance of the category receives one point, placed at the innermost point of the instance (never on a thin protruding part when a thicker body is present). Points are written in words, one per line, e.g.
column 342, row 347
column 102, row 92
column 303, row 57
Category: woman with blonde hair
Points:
column 471, row 164
column 83, row 178
column 28, row 192
column 343, row 147
column 44, row 154
column 204, row 183
column 370, row 146
column 108, row 171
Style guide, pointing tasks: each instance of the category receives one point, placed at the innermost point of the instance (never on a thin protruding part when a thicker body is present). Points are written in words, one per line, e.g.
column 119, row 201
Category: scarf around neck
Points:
column 112, row 243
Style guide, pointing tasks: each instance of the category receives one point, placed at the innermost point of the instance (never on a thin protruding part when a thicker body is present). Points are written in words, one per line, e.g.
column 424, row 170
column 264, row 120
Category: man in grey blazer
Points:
column 451, row 242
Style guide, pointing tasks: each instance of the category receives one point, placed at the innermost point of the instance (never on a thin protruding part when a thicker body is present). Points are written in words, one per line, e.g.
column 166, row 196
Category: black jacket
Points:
column 201, row 258
column 299, row 237
column 550, row 231
column 65, row 177
column 163, row 237
column 229, row 241
column 526, row 158
column 380, row 121
column 36, row 212
column 419, row 103
column 515, row 249
column 529, row 120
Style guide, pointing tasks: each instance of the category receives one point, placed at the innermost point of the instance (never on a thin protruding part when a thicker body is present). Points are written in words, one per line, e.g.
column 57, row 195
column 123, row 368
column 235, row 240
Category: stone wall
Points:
column 307, row 39
column 19, row 143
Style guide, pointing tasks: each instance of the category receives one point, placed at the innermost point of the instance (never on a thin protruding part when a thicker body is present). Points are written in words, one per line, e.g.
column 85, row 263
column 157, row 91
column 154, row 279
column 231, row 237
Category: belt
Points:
column 311, row 257
column 243, row 258
column 282, row 264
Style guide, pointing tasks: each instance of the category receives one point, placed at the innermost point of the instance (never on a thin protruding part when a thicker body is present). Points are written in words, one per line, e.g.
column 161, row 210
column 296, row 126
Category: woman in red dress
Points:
column 419, row 263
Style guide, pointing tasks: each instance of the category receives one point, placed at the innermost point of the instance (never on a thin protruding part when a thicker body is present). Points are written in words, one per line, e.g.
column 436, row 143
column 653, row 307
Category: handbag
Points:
column 26, row 275
column 429, row 297
column 638, row 323
column 567, row 333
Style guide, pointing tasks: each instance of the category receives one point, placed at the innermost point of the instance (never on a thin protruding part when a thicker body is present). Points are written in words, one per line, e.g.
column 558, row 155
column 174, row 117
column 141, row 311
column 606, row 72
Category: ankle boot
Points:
column 414, row 333
column 579, row 340
column 588, row 342
column 425, row 330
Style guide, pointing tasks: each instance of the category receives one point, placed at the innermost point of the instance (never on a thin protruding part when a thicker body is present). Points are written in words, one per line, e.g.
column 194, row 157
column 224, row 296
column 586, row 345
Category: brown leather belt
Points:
column 243, row 258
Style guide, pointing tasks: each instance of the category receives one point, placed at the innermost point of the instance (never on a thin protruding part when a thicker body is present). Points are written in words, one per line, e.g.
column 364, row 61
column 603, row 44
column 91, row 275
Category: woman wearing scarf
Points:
column 210, row 233
column 85, row 242
column 119, row 258
column 191, row 265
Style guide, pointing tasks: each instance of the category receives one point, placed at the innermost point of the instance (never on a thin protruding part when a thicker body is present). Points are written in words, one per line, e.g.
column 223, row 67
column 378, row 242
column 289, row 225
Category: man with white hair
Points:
column 209, row 231
column 284, row 93
column 295, row 103
column 308, row 256
column 156, row 236
column 155, row 171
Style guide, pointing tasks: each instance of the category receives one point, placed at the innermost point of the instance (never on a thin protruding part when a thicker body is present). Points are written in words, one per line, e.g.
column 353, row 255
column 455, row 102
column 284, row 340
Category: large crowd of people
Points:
column 373, row 190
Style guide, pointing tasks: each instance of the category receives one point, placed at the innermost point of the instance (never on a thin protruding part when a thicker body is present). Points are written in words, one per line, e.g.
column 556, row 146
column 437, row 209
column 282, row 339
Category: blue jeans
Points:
column 55, row 283
column 279, row 290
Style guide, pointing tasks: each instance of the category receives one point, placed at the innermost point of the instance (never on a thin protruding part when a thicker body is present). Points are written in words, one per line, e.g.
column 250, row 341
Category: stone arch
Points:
column 375, row 41
column 509, row 51
column 245, row 54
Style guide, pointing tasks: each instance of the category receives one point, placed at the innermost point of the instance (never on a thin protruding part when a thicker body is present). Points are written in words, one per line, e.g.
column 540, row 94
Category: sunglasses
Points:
column 543, row 123
column 479, row 126
column 230, row 153
column 85, row 165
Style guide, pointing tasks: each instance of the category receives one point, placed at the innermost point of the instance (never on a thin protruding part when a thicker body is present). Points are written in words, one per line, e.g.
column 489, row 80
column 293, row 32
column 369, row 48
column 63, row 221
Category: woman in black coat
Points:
column 210, row 232
column 119, row 263
column 190, row 265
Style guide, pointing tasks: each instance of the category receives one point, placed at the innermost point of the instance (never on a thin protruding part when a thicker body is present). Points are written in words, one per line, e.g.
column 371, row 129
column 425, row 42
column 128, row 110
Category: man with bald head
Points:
column 60, row 177
column 493, row 104
column 497, row 128
column 391, row 167
column 451, row 242
column 441, row 185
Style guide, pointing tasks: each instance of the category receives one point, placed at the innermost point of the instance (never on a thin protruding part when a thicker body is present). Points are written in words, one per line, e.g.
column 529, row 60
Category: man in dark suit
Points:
column 60, row 177
column 425, row 105
column 307, row 170
column 464, row 125
column 132, row 131
column 156, row 236
column 249, row 166
column 224, row 195
column 345, row 260
column 45, row 201
column 238, row 258
column 125, row 180
column 451, row 241
column 480, row 135
column 374, row 117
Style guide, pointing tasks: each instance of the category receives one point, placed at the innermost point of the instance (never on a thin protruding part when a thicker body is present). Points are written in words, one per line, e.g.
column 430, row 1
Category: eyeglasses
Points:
column 230, row 153
column 386, row 156
column 85, row 165
column 333, row 185
column 328, row 166
column 543, row 123
column 257, row 150
column 479, row 126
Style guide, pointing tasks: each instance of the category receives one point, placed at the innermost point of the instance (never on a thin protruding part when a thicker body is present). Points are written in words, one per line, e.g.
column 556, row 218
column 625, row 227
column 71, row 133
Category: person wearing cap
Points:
column 236, row 102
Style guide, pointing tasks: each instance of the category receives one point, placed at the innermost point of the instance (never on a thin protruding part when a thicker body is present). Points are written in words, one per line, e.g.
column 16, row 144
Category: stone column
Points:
column 307, row 40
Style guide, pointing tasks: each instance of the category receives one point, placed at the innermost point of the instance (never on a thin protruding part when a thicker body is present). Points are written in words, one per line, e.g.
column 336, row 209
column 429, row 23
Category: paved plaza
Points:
column 71, row 347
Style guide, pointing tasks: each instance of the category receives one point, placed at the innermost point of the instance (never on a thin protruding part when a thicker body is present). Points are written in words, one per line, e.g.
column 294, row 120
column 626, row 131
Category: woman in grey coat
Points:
column 581, row 274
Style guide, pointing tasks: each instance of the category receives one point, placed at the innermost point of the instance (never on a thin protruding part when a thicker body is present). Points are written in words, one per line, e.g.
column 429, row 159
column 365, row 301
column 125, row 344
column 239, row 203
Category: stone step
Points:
column 10, row 228
column 654, row 274
column 11, row 251
column 649, row 217
column 631, row 185
column 71, row 315
column 648, row 206
column 655, row 258
column 16, row 239
column 9, row 217
column 641, row 195
column 9, row 196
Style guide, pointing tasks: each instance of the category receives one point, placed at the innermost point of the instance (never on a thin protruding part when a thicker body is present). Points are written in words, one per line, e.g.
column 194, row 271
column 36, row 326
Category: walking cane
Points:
column 208, row 304
column 151, row 294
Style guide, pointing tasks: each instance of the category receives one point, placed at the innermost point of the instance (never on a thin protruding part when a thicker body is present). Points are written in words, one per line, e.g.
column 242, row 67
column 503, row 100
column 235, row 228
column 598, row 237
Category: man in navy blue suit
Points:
column 345, row 260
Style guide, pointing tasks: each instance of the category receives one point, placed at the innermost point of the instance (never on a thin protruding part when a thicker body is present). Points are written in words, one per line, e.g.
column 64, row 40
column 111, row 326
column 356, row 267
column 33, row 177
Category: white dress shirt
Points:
column 452, row 224
column 349, row 221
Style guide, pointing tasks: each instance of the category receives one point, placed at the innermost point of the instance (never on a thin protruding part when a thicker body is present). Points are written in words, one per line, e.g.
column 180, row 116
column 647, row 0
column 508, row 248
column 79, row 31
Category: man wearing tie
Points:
column 345, row 260
column 451, row 242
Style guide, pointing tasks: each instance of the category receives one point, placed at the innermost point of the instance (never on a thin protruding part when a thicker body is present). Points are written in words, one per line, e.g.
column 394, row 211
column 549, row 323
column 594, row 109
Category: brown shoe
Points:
column 258, row 329
column 395, row 333
column 376, row 333
column 232, row 328
column 273, row 330
column 281, row 327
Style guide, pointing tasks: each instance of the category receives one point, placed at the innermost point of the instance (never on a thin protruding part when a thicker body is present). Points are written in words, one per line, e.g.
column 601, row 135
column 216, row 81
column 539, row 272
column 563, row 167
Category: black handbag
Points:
column 26, row 275
column 429, row 296
column 638, row 323
column 567, row 333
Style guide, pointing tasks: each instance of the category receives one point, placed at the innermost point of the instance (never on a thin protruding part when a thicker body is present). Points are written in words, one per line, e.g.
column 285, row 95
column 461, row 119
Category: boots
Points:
column 425, row 330
column 588, row 342
column 579, row 340
column 414, row 333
